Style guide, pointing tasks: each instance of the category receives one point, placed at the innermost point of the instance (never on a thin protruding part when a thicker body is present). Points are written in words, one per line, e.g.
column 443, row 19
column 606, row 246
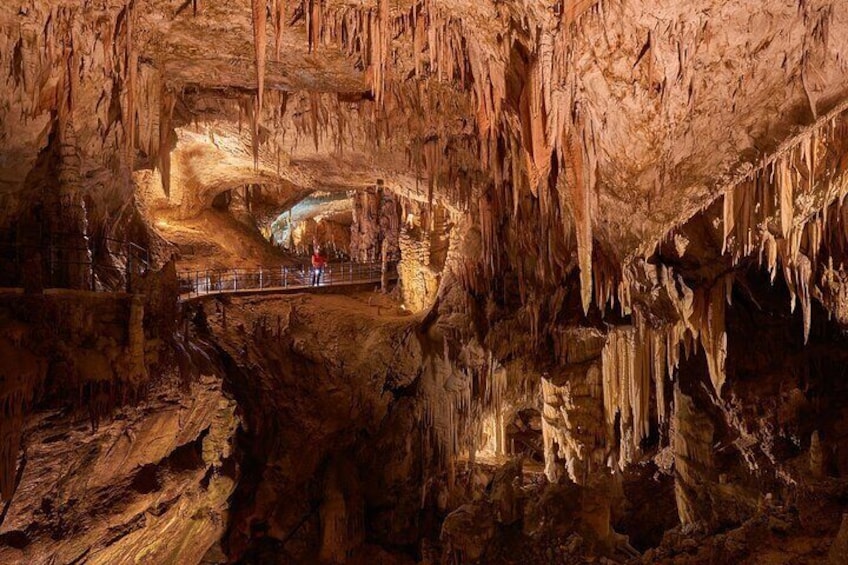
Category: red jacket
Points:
column 318, row 260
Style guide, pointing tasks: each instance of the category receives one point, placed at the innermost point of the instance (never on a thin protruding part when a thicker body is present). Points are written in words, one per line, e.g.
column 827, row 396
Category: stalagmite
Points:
column 524, row 149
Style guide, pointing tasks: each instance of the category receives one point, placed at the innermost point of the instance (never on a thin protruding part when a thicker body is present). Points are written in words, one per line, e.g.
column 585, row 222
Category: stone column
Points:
column 376, row 226
column 69, row 254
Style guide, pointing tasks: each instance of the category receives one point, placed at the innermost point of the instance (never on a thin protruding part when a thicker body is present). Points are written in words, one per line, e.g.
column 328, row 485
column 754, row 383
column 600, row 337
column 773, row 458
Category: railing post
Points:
column 285, row 277
column 235, row 279
column 196, row 288
column 260, row 278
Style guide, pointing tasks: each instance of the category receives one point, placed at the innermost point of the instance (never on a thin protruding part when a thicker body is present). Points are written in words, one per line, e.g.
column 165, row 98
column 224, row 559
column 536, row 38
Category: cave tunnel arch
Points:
column 523, row 434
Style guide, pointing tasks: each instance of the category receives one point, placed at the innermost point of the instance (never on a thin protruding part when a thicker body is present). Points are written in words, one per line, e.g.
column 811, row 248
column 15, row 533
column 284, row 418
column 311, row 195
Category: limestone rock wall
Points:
column 115, row 447
column 669, row 175
column 92, row 354
column 376, row 226
column 151, row 482
column 331, row 236
column 424, row 241
column 311, row 395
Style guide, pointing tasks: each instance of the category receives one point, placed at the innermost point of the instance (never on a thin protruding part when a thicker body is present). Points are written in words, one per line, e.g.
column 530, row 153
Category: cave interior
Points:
column 430, row 282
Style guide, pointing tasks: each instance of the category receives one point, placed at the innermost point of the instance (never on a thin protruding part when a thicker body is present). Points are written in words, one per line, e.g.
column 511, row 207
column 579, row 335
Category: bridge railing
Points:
column 72, row 261
column 215, row 281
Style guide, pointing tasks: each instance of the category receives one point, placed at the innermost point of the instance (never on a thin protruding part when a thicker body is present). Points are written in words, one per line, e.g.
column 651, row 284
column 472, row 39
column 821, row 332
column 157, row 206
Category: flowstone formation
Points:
column 617, row 329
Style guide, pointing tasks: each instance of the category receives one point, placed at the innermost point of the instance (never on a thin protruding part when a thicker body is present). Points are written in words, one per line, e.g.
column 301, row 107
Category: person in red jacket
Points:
column 318, row 262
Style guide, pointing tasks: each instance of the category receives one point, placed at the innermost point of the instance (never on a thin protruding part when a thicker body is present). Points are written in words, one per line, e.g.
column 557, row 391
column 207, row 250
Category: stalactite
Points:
column 728, row 223
column 581, row 187
column 259, row 14
column 22, row 374
column 708, row 321
column 606, row 281
column 279, row 9
column 314, row 12
column 772, row 213
column 638, row 360
column 534, row 120
column 675, row 336
column 770, row 250
column 448, row 61
column 63, row 102
column 804, row 278
column 660, row 370
column 148, row 113
column 380, row 52
column 627, row 365
column 571, row 11
column 167, row 99
column 12, row 409
column 129, row 80
column 314, row 114
column 785, row 194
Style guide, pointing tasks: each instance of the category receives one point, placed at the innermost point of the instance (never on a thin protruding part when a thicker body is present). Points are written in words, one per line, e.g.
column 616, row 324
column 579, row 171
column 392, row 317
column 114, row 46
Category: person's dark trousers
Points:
column 316, row 277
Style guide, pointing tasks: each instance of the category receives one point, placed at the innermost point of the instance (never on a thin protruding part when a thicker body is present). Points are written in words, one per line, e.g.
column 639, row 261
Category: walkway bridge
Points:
column 65, row 261
column 281, row 280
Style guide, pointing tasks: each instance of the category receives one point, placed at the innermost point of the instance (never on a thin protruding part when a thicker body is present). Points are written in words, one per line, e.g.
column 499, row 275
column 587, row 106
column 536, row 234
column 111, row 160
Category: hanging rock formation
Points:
column 619, row 232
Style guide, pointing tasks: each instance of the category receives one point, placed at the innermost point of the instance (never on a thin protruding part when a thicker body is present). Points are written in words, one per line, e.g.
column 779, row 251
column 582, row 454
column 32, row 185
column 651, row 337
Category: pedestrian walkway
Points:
column 195, row 284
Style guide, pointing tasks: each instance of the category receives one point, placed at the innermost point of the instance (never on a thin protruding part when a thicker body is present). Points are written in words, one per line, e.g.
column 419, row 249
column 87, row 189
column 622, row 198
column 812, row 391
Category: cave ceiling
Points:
column 666, row 104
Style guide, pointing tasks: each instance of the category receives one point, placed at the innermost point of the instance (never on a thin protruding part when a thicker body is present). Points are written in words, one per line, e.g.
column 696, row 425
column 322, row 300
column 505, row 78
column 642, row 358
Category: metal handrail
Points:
column 59, row 252
column 220, row 281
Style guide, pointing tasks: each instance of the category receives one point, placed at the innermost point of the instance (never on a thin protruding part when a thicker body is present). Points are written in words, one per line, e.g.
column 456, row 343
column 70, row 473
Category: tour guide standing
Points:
column 318, row 262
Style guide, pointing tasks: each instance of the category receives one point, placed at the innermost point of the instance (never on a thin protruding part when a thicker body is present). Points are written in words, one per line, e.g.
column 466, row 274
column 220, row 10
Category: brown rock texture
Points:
column 618, row 328
column 151, row 484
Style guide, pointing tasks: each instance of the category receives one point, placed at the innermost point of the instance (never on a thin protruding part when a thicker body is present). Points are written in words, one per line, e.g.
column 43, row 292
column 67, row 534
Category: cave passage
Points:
column 423, row 282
